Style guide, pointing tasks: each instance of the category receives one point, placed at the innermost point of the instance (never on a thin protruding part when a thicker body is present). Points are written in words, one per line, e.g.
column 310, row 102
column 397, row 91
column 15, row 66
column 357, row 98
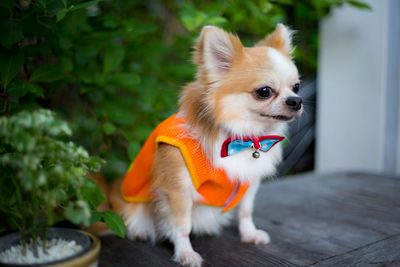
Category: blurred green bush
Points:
column 114, row 68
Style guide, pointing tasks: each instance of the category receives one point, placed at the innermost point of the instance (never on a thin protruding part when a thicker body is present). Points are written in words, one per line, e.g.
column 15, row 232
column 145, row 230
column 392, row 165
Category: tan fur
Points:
column 192, row 101
column 168, row 164
column 118, row 204
column 278, row 40
column 237, row 81
column 198, row 112
column 130, row 210
column 198, row 57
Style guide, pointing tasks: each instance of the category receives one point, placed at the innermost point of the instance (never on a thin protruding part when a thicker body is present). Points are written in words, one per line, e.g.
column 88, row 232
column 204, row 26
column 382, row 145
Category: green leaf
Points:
column 217, row 20
column 113, row 58
column 8, row 3
column 108, row 128
column 92, row 193
column 96, row 217
column 11, row 33
column 10, row 67
column 193, row 19
column 47, row 73
column 95, row 164
column 359, row 4
column 66, row 63
column 120, row 114
column 18, row 89
column 86, row 4
column 35, row 89
column 114, row 222
column 78, row 212
column 125, row 79
column 141, row 28
column 287, row 2
column 61, row 14
column 133, row 149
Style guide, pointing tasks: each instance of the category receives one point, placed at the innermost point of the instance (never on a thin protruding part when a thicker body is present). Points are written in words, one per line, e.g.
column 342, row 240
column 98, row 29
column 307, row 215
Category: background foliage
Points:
column 114, row 68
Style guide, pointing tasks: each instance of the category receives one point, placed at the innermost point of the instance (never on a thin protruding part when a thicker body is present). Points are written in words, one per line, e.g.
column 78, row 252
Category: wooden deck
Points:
column 313, row 220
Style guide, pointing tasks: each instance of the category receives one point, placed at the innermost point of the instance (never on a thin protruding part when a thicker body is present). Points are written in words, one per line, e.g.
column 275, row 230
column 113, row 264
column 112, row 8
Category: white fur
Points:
column 248, row 231
column 165, row 224
column 238, row 116
column 286, row 70
column 243, row 166
column 242, row 116
column 246, row 122
column 209, row 220
column 205, row 219
column 140, row 224
column 185, row 254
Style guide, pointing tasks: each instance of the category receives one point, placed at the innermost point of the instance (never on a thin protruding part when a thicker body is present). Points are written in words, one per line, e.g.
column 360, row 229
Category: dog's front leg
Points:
column 248, row 232
column 180, row 221
column 174, row 206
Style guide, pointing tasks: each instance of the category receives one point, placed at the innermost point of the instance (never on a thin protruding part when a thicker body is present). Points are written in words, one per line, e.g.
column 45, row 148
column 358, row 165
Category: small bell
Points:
column 256, row 154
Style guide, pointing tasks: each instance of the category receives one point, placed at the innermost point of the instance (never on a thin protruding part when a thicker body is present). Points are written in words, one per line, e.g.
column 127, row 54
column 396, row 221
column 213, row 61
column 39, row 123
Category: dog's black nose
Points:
column 294, row 102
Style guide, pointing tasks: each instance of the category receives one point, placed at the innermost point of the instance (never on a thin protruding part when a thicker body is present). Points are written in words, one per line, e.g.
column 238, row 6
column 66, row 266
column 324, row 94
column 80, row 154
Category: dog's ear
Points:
column 215, row 52
column 280, row 39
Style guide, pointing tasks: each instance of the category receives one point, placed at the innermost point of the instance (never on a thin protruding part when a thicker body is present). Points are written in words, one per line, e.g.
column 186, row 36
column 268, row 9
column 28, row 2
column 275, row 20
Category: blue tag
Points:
column 238, row 145
column 266, row 144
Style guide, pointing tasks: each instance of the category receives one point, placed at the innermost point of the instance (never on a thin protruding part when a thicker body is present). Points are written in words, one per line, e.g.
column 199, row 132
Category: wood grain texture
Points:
column 381, row 253
column 329, row 220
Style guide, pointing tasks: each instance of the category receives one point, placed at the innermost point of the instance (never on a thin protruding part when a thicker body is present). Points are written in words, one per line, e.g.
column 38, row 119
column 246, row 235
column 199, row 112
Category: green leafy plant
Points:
column 113, row 69
column 42, row 178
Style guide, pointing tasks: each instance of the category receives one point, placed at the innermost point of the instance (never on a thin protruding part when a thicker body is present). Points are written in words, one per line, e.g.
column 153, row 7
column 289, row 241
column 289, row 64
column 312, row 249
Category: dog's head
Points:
column 247, row 91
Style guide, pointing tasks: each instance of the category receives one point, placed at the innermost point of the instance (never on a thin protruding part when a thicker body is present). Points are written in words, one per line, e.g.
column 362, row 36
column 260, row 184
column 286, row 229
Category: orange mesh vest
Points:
column 211, row 183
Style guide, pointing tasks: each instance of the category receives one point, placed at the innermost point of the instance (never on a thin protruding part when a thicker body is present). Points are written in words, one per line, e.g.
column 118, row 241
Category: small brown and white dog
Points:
column 238, row 91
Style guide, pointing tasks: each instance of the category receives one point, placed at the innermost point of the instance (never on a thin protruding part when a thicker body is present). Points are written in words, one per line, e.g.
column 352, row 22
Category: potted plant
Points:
column 42, row 182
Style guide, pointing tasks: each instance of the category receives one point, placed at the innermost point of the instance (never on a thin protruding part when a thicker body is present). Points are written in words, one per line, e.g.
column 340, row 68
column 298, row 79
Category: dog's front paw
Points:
column 188, row 258
column 258, row 237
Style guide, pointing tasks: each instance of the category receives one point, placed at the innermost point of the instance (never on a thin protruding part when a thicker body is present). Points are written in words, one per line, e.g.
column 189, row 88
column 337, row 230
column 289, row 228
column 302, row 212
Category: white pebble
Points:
column 56, row 249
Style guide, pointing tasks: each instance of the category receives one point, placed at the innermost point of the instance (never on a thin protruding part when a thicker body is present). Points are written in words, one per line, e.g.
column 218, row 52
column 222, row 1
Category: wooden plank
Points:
column 381, row 253
column 117, row 252
column 227, row 250
column 224, row 250
column 312, row 219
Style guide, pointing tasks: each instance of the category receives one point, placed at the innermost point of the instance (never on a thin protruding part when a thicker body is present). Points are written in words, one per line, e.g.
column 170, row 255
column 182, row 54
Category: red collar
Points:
column 250, row 142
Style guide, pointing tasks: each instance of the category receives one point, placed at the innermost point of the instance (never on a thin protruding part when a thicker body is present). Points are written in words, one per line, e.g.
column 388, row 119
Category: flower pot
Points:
column 87, row 256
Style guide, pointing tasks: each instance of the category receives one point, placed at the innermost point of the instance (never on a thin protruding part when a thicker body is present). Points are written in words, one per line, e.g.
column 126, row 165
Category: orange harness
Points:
column 211, row 183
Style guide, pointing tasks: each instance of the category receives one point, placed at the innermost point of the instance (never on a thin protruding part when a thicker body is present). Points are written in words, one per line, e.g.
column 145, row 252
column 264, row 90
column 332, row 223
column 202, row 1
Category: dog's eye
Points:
column 296, row 88
column 264, row 92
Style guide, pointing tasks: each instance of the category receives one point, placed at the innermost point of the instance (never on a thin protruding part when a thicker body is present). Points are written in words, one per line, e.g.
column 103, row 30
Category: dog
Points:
column 210, row 157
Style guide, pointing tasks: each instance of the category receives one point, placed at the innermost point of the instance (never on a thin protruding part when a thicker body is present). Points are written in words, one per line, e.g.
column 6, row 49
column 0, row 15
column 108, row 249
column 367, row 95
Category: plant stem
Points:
column 35, row 244
column 22, row 226
column 23, row 240
column 24, row 248
column 34, row 224
column 47, row 214
column 6, row 102
column 46, row 231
